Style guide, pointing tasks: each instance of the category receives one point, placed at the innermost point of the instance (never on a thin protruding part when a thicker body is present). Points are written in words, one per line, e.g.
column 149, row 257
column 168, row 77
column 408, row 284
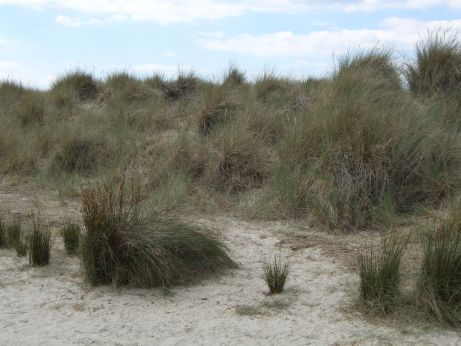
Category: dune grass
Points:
column 3, row 234
column 39, row 243
column 276, row 272
column 380, row 274
column 71, row 234
column 439, row 285
column 121, row 247
column 353, row 149
column 365, row 150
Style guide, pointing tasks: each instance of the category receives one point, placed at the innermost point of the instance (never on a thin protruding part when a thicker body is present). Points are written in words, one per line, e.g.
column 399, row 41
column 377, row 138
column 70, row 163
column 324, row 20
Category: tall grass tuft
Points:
column 123, row 248
column 438, row 65
column 380, row 276
column 71, row 236
column 439, row 285
column 16, row 238
column 3, row 234
column 39, row 244
column 234, row 77
column 276, row 272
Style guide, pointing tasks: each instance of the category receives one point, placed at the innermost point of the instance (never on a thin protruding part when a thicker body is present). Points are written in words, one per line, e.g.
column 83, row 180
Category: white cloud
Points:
column 401, row 33
column 3, row 41
column 187, row 11
column 77, row 21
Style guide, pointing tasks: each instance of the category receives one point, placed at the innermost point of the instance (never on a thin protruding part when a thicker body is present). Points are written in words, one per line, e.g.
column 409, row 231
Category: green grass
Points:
column 39, row 244
column 380, row 276
column 439, row 285
column 276, row 272
column 71, row 237
column 121, row 247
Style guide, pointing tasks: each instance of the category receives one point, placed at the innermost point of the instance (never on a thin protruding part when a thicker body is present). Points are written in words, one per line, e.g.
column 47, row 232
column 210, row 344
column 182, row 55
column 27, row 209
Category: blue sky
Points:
column 41, row 39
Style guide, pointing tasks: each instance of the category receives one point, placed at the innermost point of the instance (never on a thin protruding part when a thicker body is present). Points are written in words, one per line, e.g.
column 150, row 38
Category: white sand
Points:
column 52, row 306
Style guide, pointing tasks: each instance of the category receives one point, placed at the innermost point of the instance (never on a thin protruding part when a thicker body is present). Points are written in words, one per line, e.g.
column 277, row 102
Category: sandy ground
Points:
column 52, row 305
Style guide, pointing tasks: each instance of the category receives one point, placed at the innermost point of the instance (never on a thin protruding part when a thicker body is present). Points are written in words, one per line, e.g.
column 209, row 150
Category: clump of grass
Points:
column 121, row 88
column 71, row 236
column 276, row 272
column 121, row 247
column 81, row 154
column 235, row 160
column 439, row 285
column 10, row 92
column 438, row 65
column 15, row 238
column 185, row 85
column 3, row 234
column 73, row 87
column 39, row 244
column 217, row 109
column 380, row 276
column 267, row 84
column 234, row 77
column 30, row 109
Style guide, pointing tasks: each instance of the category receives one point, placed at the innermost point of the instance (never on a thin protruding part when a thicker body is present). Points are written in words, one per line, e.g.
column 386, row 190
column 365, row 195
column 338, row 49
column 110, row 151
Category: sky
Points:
column 41, row 40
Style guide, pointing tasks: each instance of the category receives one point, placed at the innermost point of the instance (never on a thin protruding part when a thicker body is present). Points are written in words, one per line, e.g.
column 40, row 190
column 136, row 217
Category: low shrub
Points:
column 380, row 276
column 39, row 244
column 121, row 247
column 439, row 285
column 276, row 272
column 71, row 236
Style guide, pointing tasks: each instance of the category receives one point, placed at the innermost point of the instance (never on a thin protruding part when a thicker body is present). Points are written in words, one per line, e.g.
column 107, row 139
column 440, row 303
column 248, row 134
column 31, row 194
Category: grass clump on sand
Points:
column 3, row 234
column 39, row 244
column 439, row 285
column 380, row 276
column 15, row 238
column 71, row 236
column 364, row 151
column 123, row 248
column 276, row 272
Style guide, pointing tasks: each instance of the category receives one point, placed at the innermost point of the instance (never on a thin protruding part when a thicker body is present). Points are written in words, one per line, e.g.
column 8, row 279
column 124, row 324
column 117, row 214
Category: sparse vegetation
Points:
column 380, row 274
column 39, row 244
column 71, row 234
column 121, row 247
column 276, row 272
column 439, row 286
